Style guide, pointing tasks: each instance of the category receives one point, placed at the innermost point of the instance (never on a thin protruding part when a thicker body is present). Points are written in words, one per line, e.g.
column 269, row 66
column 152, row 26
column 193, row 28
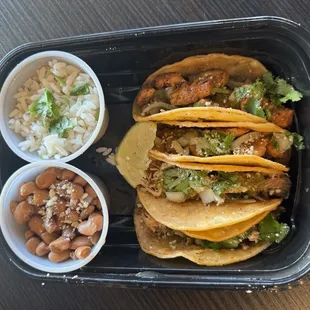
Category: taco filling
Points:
column 227, row 141
column 180, row 184
column 268, row 230
column 264, row 98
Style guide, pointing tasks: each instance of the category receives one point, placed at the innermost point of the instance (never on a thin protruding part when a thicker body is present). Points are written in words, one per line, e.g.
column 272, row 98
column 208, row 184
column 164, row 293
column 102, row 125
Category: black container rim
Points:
column 145, row 278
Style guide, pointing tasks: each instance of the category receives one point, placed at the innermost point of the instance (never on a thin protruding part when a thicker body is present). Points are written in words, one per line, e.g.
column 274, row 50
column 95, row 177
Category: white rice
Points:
column 80, row 110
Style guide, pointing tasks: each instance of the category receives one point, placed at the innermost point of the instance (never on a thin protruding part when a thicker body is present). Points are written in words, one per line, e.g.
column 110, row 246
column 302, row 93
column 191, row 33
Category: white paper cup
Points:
column 19, row 75
column 14, row 233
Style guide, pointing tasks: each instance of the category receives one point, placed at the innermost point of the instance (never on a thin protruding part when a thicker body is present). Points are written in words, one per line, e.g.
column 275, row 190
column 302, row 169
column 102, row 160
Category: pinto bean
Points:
column 87, row 212
column 60, row 244
column 28, row 234
column 45, row 179
column 97, row 219
column 87, row 228
column 23, row 212
column 27, row 188
column 40, row 197
column 59, row 257
column 90, row 191
column 95, row 237
column 36, row 225
column 13, row 205
column 49, row 237
column 79, row 180
column 80, row 241
column 32, row 244
column 82, row 252
column 54, row 170
column 42, row 249
column 67, row 175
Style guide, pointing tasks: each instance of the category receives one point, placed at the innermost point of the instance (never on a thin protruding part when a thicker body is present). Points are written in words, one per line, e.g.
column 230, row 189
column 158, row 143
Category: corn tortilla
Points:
column 238, row 67
column 162, row 248
column 195, row 216
column 227, row 232
column 238, row 160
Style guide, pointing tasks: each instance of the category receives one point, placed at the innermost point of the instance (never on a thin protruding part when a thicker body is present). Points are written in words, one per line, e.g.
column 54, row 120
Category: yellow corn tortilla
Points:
column 173, row 246
column 211, row 167
column 266, row 127
column 239, row 68
column 227, row 232
column 195, row 216
column 212, row 114
column 238, row 160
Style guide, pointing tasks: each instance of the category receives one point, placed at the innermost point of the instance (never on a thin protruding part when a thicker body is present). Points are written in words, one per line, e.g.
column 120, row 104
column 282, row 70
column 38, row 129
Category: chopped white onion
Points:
column 282, row 141
column 207, row 196
column 176, row 196
column 251, row 136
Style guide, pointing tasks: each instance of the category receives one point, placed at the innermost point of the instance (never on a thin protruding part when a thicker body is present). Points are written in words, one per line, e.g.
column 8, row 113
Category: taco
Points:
column 224, row 143
column 215, row 87
column 162, row 241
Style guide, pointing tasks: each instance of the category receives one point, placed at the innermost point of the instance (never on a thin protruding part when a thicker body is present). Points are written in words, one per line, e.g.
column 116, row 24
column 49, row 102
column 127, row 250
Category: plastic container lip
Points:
column 14, row 236
column 16, row 73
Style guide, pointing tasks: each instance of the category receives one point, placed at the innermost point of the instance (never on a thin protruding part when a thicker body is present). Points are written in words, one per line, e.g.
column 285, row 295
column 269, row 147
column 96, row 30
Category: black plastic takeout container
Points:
column 122, row 60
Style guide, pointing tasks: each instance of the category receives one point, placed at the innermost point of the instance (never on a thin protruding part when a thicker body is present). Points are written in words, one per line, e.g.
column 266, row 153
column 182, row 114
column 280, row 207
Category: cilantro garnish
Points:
column 298, row 140
column 60, row 80
column 225, row 180
column 80, row 90
column 279, row 90
column 271, row 230
column 45, row 107
column 61, row 126
column 276, row 89
column 218, row 143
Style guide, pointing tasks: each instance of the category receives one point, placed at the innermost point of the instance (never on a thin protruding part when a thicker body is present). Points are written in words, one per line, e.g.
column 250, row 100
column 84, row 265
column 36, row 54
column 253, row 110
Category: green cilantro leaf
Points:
column 271, row 230
column 60, row 80
column 61, row 126
column 254, row 107
column 218, row 143
column 231, row 243
column 45, row 107
column 298, row 140
column 182, row 180
column 198, row 104
column 279, row 90
column 268, row 113
column 80, row 90
column 225, row 181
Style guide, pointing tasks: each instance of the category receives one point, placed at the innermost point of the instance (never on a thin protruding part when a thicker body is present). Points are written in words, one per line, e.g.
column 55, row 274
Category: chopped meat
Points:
column 190, row 93
column 283, row 117
column 152, row 224
column 259, row 146
column 276, row 185
column 273, row 151
column 168, row 80
column 145, row 96
column 200, row 88
column 218, row 77
column 285, row 158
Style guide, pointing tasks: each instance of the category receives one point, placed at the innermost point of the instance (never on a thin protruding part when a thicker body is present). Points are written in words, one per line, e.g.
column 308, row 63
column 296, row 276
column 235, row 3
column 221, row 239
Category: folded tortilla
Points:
column 239, row 68
column 193, row 215
column 174, row 246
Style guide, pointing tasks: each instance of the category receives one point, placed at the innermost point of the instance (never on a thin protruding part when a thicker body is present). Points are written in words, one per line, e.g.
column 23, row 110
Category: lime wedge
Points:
column 132, row 155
